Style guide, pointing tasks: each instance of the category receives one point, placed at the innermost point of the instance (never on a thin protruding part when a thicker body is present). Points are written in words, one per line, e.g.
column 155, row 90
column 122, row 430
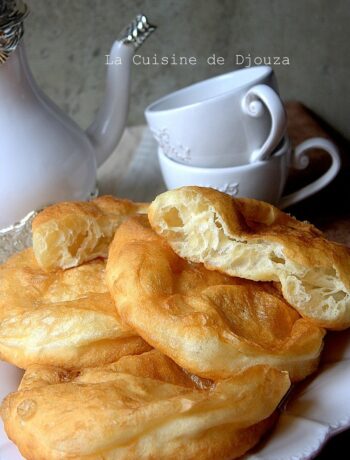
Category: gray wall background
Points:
column 67, row 41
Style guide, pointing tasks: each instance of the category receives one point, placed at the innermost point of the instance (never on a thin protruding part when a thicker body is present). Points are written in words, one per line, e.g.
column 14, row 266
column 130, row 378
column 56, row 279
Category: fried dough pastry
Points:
column 207, row 322
column 254, row 240
column 64, row 318
column 141, row 408
column 70, row 233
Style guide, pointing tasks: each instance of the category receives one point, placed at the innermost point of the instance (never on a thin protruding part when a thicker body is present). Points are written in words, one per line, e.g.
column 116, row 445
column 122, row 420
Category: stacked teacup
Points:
column 229, row 133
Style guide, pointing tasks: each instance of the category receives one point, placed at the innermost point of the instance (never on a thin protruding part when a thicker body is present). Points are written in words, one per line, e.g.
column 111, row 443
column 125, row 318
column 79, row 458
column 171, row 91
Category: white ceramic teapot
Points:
column 44, row 155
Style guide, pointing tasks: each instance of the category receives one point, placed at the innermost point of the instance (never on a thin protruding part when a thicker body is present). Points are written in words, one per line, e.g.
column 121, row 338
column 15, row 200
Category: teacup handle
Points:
column 300, row 161
column 253, row 104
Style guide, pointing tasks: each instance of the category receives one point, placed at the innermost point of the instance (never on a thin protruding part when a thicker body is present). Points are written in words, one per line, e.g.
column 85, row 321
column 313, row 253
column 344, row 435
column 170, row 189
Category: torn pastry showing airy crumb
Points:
column 255, row 240
column 70, row 233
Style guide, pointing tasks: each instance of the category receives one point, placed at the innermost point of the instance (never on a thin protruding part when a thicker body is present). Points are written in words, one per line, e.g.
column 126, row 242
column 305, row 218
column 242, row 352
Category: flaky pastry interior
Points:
column 140, row 408
column 70, row 233
column 255, row 240
column 209, row 323
column 64, row 318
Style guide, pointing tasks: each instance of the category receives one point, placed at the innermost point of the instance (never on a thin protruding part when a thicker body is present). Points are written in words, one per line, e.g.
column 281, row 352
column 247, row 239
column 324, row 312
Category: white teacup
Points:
column 229, row 120
column 263, row 180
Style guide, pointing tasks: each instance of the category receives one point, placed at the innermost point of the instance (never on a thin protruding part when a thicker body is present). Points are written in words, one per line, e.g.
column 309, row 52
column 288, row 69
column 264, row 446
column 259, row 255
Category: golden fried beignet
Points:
column 63, row 318
column 207, row 322
column 141, row 408
column 254, row 240
column 70, row 233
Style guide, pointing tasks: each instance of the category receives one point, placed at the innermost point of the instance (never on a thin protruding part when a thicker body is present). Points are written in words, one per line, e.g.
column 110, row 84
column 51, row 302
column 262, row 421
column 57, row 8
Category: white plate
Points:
column 319, row 409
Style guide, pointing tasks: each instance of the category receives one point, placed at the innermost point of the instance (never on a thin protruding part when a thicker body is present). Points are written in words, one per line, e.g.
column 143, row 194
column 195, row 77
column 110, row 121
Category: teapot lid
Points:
column 12, row 14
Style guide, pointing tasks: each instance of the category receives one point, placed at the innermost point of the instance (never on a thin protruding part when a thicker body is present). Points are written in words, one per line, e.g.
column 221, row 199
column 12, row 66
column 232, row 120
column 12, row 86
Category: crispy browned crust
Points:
column 140, row 408
column 207, row 322
column 63, row 318
column 96, row 208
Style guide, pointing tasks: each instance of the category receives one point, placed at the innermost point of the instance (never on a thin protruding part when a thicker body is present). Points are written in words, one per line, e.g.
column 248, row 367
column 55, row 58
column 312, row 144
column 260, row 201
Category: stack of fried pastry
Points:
column 169, row 335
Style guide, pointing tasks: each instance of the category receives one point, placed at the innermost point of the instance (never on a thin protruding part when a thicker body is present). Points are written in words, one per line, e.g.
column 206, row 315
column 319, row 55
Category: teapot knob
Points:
column 137, row 31
column 12, row 14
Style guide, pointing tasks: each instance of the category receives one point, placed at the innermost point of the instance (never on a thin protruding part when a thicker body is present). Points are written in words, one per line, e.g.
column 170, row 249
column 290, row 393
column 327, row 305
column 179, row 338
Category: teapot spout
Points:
column 109, row 124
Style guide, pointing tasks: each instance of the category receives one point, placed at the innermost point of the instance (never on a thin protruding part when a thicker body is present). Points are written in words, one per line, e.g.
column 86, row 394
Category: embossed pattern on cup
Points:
column 176, row 152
